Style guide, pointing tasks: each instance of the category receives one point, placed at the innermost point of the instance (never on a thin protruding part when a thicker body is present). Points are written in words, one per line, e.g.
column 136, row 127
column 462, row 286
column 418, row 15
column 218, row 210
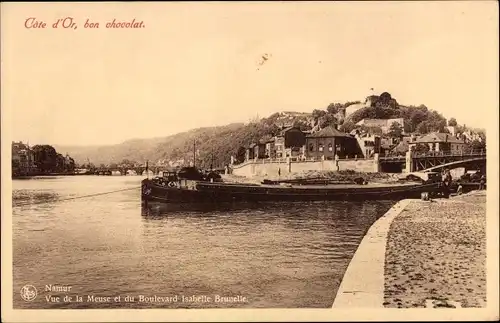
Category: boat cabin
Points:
column 170, row 176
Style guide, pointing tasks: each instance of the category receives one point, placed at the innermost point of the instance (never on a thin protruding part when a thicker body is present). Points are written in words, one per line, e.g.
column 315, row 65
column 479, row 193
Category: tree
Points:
column 452, row 122
column 241, row 155
column 70, row 165
column 16, row 167
column 127, row 163
column 421, row 148
column 302, row 125
column 395, row 130
column 415, row 118
column 348, row 126
column 45, row 158
column 334, row 108
column 316, row 114
column 422, row 128
column 60, row 163
column 435, row 121
column 475, row 146
column 327, row 120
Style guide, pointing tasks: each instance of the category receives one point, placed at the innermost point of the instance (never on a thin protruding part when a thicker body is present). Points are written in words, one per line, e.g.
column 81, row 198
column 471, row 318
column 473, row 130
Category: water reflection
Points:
column 28, row 197
column 153, row 209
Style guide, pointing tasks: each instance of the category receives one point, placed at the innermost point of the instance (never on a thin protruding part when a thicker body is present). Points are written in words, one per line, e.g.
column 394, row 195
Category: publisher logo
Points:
column 28, row 293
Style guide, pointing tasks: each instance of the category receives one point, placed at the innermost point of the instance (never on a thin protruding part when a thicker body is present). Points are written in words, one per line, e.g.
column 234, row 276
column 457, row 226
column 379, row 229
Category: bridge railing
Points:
column 392, row 158
column 295, row 159
column 478, row 152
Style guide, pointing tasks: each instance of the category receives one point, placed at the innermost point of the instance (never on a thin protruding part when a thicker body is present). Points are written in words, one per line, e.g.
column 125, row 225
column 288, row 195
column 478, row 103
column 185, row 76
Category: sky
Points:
column 199, row 64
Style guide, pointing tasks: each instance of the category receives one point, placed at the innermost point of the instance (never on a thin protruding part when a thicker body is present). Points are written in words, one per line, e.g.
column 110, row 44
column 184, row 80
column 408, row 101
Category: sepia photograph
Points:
column 244, row 161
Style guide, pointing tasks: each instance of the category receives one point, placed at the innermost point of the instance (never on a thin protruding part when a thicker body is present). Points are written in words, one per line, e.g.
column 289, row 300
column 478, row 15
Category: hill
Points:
column 221, row 142
column 217, row 144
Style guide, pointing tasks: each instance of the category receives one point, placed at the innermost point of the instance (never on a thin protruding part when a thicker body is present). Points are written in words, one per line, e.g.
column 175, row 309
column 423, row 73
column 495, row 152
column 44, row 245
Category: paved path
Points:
column 436, row 254
column 363, row 282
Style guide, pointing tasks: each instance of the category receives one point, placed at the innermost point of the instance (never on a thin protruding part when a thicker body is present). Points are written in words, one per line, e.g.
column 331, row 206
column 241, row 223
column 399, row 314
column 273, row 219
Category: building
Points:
column 471, row 136
column 439, row 142
column 452, row 130
column 382, row 100
column 259, row 150
column 330, row 142
column 270, row 148
column 23, row 159
column 256, row 151
column 369, row 145
column 383, row 124
column 250, row 152
column 354, row 107
column 402, row 147
column 290, row 143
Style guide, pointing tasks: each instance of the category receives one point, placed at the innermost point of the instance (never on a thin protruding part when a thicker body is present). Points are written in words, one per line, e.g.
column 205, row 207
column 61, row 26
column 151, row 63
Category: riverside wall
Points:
column 263, row 168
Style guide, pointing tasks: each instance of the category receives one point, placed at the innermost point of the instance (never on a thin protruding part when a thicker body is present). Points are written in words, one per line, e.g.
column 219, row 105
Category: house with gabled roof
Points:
column 440, row 142
column 330, row 142
column 289, row 142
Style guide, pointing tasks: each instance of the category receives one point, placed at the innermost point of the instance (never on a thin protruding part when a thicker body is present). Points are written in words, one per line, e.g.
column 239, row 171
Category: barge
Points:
column 190, row 186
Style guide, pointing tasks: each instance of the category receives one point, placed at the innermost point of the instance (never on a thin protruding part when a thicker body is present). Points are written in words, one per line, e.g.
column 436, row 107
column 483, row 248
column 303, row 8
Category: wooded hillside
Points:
column 217, row 144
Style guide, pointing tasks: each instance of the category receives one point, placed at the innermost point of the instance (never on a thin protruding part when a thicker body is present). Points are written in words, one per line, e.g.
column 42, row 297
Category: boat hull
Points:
column 221, row 192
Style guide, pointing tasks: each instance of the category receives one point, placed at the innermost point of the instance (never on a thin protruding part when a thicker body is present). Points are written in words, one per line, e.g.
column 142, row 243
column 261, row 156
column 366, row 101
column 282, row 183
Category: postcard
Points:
column 249, row 161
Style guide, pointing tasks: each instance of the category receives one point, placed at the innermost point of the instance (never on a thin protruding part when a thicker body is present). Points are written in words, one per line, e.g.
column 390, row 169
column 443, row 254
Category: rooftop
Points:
column 329, row 132
column 439, row 137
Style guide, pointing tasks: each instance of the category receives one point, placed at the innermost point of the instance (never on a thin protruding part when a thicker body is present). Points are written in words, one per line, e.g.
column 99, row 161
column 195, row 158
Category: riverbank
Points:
column 421, row 254
column 42, row 174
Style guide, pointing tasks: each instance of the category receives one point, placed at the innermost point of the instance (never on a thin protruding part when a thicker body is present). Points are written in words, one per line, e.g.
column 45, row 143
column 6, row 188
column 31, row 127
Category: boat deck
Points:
column 313, row 186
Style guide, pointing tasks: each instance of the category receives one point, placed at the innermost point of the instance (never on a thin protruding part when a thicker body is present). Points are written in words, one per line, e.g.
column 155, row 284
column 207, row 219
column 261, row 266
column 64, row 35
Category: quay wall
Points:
column 261, row 168
column 363, row 283
column 360, row 165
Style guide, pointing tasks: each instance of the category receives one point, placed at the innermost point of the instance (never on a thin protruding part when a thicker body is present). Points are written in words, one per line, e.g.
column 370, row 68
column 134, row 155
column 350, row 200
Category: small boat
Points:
column 191, row 186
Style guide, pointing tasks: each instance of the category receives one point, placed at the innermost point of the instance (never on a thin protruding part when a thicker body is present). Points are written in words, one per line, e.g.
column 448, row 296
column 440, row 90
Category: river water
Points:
column 273, row 255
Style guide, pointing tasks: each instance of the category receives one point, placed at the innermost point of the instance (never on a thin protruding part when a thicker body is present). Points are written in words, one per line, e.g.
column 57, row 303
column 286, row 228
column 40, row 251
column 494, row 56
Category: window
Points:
column 311, row 147
column 330, row 147
column 320, row 147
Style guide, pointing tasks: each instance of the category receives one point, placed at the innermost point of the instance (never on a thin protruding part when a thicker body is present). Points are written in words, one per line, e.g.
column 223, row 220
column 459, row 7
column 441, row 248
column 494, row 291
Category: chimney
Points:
column 446, row 138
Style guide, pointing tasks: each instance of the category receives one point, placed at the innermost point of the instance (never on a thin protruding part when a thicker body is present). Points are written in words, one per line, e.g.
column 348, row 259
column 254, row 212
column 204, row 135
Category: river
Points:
column 274, row 255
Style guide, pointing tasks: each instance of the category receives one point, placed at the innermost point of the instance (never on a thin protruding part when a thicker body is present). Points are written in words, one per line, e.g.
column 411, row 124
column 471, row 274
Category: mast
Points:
column 212, row 161
column 194, row 153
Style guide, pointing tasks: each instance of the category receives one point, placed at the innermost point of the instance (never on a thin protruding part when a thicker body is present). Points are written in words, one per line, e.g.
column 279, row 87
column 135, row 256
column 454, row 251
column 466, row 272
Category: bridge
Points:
column 139, row 170
column 435, row 161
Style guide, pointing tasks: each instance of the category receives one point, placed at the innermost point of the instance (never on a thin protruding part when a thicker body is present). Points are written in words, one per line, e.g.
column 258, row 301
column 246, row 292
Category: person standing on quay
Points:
column 481, row 182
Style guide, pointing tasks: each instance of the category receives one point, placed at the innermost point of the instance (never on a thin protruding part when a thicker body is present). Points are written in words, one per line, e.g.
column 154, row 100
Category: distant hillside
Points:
column 222, row 142
column 218, row 144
